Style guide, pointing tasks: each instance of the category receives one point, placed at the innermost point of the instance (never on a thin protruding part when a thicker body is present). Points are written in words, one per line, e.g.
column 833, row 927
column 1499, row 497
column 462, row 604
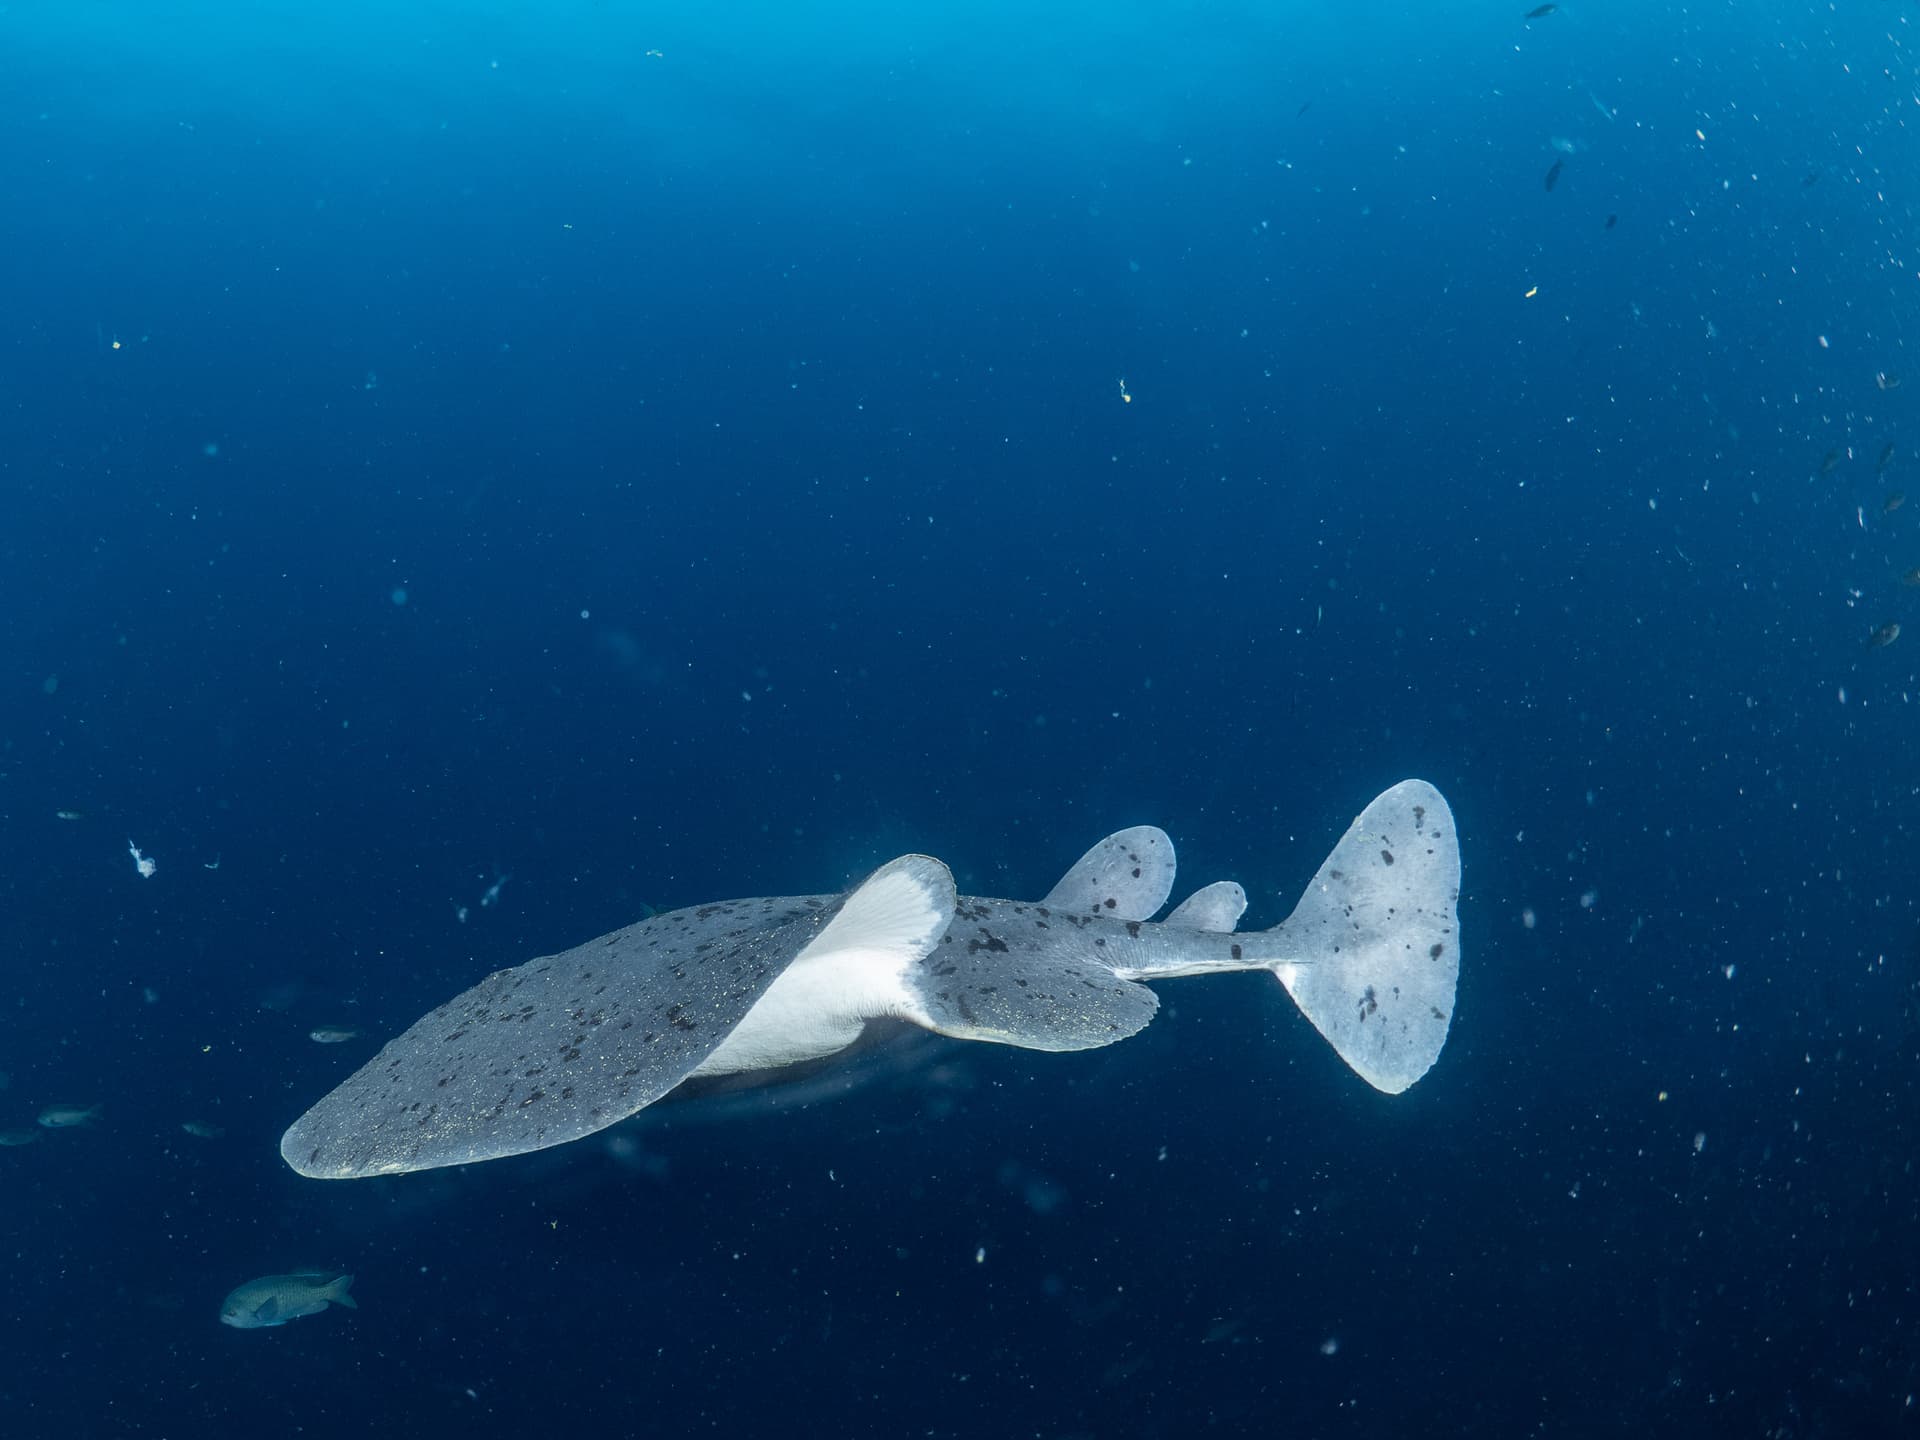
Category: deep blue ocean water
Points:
column 650, row 454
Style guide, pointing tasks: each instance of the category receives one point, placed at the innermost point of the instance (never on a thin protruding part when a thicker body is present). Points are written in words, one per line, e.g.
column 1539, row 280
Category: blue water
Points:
column 659, row 454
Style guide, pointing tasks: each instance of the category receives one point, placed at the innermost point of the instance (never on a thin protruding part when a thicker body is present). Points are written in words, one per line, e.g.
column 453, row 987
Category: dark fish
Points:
column 1912, row 577
column 1884, row 636
column 1830, row 462
column 1612, row 220
column 1537, row 11
column 1812, row 176
column 1553, row 175
column 1886, row 458
column 1893, row 502
column 1303, row 110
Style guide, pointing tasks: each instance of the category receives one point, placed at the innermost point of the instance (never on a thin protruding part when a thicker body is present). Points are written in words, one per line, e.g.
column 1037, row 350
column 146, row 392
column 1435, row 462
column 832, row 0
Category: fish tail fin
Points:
column 340, row 1292
column 1373, row 946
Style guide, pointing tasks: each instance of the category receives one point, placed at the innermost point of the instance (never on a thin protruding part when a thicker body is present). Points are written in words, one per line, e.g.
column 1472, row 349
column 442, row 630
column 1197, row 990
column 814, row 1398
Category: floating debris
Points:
column 1879, row 640
column 1553, row 175
column 145, row 866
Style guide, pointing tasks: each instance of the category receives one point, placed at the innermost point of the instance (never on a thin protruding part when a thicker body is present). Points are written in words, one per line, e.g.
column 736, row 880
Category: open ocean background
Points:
column 661, row 453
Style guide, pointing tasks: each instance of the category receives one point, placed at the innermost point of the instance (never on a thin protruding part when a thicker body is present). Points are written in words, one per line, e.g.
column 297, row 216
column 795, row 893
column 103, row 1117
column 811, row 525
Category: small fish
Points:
column 18, row 1137
column 1813, row 177
column 276, row 1299
column 1303, row 110
column 1612, row 220
column 1884, row 636
column 69, row 814
column 1830, row 462
column 66, row 1117
column 1886, row 381
column 1553, row 175
column 1564, row 145
column 333, row 1035
column 1886, row 458
column 201, row 1130
column 1540, row 11
column 1893, row 502
column 1912, row 577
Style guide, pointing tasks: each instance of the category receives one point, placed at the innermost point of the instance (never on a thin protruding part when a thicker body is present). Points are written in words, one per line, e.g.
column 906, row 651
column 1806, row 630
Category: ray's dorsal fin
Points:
column 1216, row 907
column 1127, row 876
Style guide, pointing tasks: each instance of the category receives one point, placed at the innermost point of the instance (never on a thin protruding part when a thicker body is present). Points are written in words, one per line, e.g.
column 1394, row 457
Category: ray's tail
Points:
column 1373, row 948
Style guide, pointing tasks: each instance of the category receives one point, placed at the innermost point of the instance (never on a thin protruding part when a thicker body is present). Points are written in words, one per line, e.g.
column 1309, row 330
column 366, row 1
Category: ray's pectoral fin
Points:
column 851, row 972
column 559, row 1047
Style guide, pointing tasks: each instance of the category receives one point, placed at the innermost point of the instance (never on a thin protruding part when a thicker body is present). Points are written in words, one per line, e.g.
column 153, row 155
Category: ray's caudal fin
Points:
column 1373, row 948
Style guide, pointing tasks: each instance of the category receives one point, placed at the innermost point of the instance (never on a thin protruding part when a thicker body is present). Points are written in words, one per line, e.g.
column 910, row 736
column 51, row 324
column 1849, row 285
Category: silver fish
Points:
column 276, row 1299
column 66, row 1117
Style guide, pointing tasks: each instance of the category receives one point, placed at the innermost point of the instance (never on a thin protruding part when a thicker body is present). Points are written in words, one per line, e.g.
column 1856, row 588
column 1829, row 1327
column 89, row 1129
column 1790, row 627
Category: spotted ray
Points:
column 566, row 1045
